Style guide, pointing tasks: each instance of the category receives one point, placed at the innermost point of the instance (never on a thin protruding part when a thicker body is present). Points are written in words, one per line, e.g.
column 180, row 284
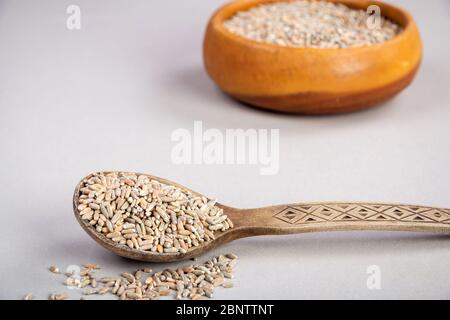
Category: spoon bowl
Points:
column 288, row 219
column 126, row 252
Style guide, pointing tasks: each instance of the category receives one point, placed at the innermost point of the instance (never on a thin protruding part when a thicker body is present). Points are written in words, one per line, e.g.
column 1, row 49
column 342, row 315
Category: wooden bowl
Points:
column 311, row 80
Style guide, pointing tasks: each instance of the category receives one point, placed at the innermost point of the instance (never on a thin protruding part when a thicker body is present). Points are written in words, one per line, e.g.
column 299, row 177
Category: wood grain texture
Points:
column 291, row 219
column 301, row 218
column 311, row 80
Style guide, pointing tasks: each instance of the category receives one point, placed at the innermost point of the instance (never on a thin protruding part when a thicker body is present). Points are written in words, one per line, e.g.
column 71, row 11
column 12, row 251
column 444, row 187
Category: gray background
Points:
column 109, row 96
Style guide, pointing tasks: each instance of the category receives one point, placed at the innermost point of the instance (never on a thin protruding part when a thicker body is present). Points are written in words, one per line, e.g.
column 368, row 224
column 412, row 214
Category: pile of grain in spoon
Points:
column 148, row 215
column 311, row 24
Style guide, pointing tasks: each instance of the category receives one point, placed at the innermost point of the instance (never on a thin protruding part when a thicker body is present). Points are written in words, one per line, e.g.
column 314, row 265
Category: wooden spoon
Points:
column 291, row 219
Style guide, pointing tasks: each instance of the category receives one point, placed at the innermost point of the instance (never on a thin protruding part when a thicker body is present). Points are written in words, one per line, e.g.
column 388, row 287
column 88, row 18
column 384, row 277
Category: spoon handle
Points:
column 301, row 218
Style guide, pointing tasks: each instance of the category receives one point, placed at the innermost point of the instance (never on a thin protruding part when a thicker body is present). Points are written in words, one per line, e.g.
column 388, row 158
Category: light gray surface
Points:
column 109, row 96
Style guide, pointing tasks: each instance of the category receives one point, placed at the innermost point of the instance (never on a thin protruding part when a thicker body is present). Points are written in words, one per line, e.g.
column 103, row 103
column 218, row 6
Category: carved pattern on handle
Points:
column 350, row 212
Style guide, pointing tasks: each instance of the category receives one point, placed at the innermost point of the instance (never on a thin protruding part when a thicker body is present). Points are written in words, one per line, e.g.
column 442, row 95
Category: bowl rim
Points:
column 221, row 15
